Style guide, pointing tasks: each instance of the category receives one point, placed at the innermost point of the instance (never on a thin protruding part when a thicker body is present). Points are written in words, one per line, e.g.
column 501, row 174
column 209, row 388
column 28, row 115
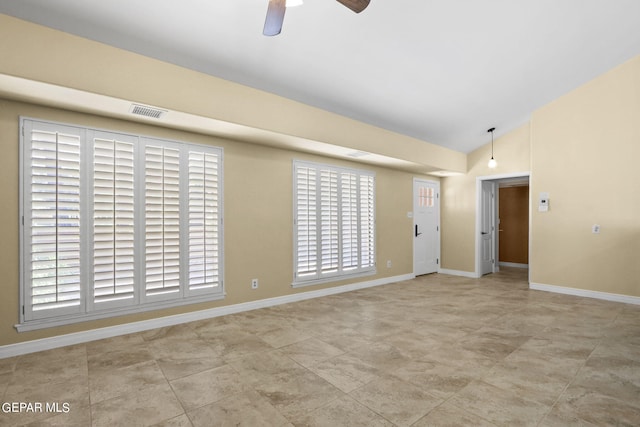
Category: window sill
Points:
column 33, row 325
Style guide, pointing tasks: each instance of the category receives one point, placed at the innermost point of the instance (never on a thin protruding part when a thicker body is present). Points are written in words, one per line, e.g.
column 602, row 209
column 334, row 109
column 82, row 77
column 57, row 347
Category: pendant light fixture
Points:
column 492, row 162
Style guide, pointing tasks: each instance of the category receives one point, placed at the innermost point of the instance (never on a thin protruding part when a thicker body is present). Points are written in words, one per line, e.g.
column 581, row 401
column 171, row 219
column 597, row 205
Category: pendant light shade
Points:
column 492, row 162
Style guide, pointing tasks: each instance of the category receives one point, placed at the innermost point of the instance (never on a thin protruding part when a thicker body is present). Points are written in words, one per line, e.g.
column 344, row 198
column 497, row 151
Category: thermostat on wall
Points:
column 543, row 202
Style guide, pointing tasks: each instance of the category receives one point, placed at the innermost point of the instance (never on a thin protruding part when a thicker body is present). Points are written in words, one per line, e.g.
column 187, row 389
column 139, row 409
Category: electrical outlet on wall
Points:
column 254, row 283
column 388, row 263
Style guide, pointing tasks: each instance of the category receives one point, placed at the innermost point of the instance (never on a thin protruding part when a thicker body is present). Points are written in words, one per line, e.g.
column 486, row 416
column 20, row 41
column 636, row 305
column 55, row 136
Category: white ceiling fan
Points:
column 275, row 13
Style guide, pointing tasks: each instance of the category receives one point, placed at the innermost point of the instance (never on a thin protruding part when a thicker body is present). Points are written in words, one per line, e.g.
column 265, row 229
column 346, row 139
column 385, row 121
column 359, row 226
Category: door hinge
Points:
column 23, row 310
column 437, row 261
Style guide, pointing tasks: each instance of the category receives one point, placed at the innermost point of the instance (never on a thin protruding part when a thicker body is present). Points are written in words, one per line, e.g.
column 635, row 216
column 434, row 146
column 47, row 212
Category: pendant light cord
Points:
column 491, row 130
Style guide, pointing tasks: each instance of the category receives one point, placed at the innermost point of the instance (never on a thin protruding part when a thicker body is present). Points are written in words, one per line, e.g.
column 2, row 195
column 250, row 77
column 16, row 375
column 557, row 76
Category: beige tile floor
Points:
column 434, row 351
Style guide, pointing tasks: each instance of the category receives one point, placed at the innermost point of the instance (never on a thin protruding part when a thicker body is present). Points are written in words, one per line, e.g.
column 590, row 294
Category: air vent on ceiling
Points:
column 146, row 111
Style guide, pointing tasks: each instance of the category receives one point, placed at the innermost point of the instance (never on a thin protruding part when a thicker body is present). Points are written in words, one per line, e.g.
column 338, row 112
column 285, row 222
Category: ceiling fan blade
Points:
column 356, row 5
column 275, row 17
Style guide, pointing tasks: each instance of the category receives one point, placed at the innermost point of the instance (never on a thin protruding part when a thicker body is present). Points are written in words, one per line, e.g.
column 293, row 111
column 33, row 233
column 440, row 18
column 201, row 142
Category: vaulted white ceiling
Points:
column 443, row 71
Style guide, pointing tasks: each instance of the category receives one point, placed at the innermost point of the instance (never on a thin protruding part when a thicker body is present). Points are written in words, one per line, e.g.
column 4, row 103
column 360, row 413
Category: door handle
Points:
column 484, row 232
column 417, row 234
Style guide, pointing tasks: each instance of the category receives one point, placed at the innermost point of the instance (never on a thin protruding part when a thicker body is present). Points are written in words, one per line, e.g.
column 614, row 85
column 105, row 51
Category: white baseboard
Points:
column 513, row 264
column 33, row 346
column 469, row 274
column 627, row 299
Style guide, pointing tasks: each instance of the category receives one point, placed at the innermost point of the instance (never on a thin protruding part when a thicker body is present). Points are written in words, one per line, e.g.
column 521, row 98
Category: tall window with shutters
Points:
column 52, row 222
column 204, row 221
column 334, row 229
column 115, row 224
column 112, row 232
column 162, row 221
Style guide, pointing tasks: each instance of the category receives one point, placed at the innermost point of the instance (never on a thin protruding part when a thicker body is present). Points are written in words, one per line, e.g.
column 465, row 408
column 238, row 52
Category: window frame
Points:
column 89, row 308
column 318, row 276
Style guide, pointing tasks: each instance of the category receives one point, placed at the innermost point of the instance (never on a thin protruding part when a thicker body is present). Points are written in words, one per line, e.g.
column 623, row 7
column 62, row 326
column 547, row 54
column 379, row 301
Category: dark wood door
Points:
column 514, row 225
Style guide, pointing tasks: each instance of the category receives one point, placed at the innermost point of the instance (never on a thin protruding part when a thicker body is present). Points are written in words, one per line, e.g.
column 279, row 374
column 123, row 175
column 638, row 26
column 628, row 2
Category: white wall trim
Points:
column 461, row 273
column 627, row 299
column 33, row 346
column 513, row 264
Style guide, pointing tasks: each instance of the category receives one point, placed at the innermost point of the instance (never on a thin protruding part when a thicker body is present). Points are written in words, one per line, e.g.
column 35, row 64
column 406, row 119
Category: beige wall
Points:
column 258, row 217
column 458, row 207
column 585, row 154
column 583, row 149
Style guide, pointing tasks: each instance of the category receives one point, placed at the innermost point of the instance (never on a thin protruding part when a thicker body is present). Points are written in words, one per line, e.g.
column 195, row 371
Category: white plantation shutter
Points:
column 162, row 220
column 113, row 218
column 115, row 224
column 306, row 221
column 334, row 214
column 329, row 225
column 349, row 193
column 52, row 221
column 204, row 220
column 367, row 221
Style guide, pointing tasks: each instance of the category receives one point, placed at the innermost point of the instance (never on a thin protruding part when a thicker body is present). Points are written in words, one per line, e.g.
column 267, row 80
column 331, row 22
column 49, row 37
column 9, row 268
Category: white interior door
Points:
column 487, row 228
column 426, row 226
